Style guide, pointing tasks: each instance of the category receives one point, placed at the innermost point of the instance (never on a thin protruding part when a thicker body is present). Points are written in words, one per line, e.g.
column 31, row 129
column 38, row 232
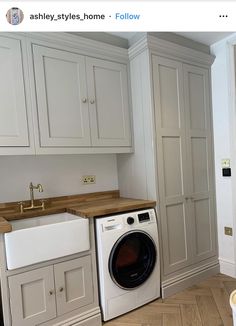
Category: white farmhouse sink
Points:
column 38, row 239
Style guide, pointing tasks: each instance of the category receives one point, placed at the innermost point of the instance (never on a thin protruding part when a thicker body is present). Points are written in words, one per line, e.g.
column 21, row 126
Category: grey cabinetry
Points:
column 14, row 121
column 184, row 154
column 61, row 98
column 81, row 101
column 42, row 294
column 32, row 297
column 62, row 94
column 73, row 284
column 173, row 158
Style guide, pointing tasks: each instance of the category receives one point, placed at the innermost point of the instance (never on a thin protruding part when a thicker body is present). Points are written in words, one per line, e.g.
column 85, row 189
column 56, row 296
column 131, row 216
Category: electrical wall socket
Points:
column 88, row 179
column 228, row 231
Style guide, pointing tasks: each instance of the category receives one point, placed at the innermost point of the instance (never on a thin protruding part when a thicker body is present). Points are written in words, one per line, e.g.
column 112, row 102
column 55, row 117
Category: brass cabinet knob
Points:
column 84, row 100
column 51, row 292
column 61, row 289
column 92, row 101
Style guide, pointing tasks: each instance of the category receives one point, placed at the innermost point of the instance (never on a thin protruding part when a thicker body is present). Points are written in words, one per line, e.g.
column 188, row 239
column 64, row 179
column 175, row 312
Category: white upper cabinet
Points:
column 61, row 98
column 62, row 94
column 108, row 103
column 14, row 130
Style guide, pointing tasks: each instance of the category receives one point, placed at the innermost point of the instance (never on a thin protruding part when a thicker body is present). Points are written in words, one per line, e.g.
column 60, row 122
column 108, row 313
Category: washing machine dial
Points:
column 130, row 220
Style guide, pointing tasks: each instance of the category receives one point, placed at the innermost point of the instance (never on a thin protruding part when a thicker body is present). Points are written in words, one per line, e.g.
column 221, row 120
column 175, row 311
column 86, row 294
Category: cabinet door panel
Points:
column 61, row 98
column 200, row 169
column 30, row 298
column 13, row 113
column 170, row 109
column 203, row 227
column 109, row 114
column 73, row 284
column 173, row 172
column 199, row 149
column 177, row 236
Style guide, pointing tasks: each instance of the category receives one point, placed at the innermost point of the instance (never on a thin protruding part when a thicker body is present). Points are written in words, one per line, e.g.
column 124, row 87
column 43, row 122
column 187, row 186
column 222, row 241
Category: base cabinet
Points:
column 43, row 294
column 32, row 297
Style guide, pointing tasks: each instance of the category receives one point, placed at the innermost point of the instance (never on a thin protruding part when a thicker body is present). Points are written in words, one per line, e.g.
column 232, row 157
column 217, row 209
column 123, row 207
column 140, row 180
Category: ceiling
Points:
column 207, row 38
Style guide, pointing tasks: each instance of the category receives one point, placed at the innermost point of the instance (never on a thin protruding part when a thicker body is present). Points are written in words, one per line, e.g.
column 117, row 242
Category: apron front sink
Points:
column 38, row 239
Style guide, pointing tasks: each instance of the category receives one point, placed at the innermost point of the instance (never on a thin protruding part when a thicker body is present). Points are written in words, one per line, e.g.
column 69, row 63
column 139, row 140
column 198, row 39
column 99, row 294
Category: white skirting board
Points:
column 186, row 280
column 227, row 267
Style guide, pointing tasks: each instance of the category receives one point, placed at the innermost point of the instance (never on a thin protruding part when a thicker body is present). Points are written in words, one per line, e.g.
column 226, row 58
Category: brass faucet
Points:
column 32, row 205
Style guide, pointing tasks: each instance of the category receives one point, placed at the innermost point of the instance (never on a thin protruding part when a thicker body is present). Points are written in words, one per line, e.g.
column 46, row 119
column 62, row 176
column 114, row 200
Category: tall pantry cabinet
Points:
column 172, row 113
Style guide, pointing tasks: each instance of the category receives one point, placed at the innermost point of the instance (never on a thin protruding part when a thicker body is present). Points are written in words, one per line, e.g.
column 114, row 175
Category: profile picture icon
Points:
column 14, row 16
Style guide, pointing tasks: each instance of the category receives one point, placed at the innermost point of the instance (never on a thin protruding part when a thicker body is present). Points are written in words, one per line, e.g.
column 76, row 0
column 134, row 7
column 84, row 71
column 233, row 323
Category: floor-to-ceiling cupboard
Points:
column 174, row 155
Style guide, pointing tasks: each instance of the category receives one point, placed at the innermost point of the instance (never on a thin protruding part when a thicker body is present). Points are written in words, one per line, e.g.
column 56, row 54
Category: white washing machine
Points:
column 128, row 261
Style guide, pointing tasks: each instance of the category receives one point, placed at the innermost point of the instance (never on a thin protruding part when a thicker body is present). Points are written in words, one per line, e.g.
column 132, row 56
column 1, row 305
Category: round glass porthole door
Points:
column 132, row 259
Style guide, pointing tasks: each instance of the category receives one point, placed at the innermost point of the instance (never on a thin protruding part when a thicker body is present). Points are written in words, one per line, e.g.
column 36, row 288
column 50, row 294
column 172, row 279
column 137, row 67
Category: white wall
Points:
column 59, row 174
column 223, row 120
column 137, row 172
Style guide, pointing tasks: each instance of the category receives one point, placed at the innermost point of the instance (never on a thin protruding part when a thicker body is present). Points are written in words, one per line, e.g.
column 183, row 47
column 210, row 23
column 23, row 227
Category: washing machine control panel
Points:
column 128, row 220
column 143, row 217
column 140, row 217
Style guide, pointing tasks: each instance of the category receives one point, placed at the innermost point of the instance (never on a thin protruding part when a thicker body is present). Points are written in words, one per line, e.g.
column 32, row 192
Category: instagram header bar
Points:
column 117, row 16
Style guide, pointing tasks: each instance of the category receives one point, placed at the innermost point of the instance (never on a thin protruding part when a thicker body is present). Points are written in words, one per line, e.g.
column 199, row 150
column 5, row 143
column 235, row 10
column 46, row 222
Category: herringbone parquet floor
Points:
column 204, row 304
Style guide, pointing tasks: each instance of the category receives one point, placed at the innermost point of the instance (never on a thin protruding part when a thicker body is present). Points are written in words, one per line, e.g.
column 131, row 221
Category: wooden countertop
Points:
column 86, row 205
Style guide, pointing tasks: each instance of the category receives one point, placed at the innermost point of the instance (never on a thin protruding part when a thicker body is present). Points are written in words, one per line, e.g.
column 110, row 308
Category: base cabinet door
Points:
column 73, row 282
column 32, row 297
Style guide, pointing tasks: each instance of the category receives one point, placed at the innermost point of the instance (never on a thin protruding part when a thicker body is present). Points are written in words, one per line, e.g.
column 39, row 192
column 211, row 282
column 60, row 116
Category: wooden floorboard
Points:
column 204, row 304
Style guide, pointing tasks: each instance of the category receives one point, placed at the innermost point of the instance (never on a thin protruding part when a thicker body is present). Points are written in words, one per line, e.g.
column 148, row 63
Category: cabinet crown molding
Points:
column 172, row 50
column 79, row 44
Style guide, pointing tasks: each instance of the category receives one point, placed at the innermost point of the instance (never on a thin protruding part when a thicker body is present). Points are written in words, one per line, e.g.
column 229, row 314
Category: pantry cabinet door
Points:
column 74, row 284
column 13, row 112
column 32, row 297
column 108, row 103
column 61, row 98
column 200, row 158
column 172, row 163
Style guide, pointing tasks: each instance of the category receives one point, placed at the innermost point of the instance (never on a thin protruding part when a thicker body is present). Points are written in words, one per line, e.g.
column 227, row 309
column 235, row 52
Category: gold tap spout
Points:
column 39, row 187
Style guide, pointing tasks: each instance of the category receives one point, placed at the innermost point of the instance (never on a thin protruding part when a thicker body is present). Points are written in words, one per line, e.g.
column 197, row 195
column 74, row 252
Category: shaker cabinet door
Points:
column 13, row 113
column 32, row 297
column 74, row 284
column 184, row 156
column 199, row 148
column 61, row 98
column 172, row 163
column 108, row 103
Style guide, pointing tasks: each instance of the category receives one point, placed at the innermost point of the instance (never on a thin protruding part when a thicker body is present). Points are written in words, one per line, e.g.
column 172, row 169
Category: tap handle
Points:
column 42, row 201
column 21, row 206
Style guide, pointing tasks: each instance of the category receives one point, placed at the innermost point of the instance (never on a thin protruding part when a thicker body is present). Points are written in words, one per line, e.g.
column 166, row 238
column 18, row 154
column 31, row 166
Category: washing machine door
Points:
column 132, row 259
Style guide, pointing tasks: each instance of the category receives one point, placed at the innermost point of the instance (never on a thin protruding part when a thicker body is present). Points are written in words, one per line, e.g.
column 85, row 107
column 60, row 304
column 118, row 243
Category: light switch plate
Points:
column 225, row 163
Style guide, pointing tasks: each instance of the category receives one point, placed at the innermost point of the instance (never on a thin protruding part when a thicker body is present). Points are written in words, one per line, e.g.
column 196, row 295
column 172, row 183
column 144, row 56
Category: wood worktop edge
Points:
column 85, row 205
